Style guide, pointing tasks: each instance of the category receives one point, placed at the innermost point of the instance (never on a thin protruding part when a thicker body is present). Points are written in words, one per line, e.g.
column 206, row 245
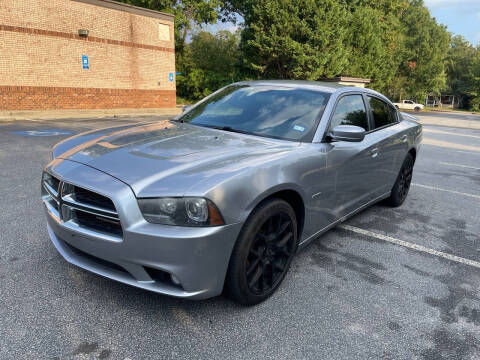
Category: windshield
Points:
column 271, row 111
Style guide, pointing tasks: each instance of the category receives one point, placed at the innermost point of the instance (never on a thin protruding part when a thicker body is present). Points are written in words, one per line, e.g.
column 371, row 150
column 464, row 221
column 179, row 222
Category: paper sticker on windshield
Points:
column 299, row 128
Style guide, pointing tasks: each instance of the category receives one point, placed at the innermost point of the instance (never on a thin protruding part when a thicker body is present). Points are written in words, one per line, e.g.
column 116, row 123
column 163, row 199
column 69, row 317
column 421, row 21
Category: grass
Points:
column 450, row 109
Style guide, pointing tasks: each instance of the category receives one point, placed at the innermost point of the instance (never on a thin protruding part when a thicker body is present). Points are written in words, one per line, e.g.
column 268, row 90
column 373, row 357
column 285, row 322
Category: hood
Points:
column 167, row 158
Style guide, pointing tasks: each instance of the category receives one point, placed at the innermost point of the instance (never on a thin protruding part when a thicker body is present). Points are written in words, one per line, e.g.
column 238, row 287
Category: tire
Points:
column 417, row 108
column 402, row 184
column 263, row 252
column 397, row 107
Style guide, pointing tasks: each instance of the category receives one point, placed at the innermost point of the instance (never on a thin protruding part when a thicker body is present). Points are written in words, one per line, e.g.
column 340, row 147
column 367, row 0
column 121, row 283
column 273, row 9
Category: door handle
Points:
column 404, row 138
column 374, row 152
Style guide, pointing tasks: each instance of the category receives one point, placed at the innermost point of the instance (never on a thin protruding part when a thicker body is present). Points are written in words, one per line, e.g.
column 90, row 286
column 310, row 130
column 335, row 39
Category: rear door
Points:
column 390, row 142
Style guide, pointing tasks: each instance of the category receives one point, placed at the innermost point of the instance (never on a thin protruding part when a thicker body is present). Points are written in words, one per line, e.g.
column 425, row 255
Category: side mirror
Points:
column 348, row 133
column 185, row 108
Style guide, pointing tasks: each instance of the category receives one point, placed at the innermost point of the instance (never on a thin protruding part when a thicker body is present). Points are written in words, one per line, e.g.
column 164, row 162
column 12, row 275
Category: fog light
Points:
column 175, row 279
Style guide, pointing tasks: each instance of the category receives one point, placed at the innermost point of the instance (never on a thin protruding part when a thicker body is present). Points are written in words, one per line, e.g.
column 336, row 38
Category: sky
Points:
column 460, row 16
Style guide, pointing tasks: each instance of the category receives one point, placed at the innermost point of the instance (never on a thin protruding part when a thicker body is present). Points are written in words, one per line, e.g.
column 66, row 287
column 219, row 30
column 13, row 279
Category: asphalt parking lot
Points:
column 398, row 283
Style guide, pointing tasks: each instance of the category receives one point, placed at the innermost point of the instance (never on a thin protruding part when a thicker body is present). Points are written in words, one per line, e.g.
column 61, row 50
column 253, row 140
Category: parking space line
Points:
column 463, row 166
column 467, row 152
column 412, row 246
column 446, row 190
column 449, row 145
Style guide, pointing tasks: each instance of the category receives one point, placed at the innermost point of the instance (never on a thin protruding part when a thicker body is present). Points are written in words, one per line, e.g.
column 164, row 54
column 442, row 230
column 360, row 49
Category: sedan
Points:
column 222, row 197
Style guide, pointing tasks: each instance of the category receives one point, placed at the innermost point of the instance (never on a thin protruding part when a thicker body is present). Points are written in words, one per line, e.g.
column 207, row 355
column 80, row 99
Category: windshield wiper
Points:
column 226, row 128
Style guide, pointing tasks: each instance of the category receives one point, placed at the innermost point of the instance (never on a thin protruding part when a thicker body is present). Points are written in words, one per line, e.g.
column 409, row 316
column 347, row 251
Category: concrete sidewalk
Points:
column 85, row 114
column 458, row 123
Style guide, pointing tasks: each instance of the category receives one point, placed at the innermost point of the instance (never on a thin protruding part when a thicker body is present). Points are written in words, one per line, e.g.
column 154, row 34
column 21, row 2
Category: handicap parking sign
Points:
column 85, row 63
column 171, row 77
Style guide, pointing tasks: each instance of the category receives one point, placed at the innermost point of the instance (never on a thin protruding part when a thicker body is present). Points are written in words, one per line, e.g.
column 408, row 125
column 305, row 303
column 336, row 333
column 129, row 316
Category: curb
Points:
column 86, row 114
column 464, row 124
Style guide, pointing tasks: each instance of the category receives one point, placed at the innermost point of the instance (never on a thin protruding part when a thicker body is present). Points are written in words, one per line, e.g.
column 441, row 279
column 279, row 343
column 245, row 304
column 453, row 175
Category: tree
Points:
column 210, row 62
column 395, row 43
column 422, row 58
column 371, row 47
column 294, row 39
column 463, row 72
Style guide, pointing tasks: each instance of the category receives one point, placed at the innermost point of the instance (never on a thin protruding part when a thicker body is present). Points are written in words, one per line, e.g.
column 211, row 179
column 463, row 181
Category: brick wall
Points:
column 41, row 57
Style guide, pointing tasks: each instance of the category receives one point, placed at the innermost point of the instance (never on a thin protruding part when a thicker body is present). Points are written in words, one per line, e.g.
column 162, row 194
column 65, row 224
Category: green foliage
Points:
column 463, row 70
column 395, row 43
column 295, row 39
column 373, row 45
column 424, row 52
column 209, row 62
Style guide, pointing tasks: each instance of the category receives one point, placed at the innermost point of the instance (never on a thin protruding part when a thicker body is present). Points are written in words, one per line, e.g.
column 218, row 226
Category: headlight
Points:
column 187, row 211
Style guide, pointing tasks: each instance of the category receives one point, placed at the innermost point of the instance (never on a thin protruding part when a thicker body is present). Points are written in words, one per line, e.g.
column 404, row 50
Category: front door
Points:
column 353, row 165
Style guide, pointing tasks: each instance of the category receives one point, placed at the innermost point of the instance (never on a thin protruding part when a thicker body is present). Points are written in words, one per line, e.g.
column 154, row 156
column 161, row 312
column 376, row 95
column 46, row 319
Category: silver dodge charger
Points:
column 223, row 196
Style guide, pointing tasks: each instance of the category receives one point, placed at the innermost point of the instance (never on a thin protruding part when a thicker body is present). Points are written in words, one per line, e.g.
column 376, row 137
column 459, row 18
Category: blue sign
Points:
column 171, row 77
column 46, row 132
column 85, row 63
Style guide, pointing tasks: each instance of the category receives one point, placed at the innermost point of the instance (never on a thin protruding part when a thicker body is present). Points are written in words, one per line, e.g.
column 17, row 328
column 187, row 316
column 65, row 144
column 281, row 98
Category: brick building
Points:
column 47, row 60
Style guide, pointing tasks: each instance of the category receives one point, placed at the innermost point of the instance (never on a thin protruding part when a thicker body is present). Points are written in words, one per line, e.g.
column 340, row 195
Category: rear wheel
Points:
column 402, row 184
column 263, row 253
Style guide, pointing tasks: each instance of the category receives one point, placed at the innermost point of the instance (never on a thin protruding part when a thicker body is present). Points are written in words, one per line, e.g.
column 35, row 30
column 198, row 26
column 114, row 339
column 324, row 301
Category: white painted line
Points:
column 450, row 191
column 411, row 246
column 467, row 152
column 450, row 145
column 463, row 166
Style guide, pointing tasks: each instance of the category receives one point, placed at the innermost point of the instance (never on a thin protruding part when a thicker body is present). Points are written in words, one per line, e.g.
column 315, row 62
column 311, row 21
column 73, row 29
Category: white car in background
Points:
column 409, row 105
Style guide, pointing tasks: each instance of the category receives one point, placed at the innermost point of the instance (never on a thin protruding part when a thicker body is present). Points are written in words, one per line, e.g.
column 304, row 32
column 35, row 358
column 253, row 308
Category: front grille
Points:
column 85, row 208
column 97, row 223
column 88, row 197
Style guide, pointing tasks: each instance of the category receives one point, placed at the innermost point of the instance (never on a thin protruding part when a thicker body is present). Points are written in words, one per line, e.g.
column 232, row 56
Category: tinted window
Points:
column 383, row 114
column 350, row 110
column 264, row 110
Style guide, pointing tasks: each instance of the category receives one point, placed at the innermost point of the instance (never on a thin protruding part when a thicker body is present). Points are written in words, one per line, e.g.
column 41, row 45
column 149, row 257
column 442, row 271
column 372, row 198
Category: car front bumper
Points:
column 147, row 255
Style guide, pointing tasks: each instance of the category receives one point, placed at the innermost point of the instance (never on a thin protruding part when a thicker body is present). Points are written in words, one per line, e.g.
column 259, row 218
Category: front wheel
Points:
column 402, row 184
column 417, row 108
column 263, row 253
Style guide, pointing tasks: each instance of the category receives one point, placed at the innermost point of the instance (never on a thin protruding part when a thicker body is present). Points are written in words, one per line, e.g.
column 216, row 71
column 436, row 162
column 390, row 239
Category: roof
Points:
column 305, row 84
column 324, row 86
column 109, row 4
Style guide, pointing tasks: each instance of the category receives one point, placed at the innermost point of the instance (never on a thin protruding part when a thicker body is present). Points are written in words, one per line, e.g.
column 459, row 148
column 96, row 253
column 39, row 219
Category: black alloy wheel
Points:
column 402, row 185
column 269, row 254
column 263, row 253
